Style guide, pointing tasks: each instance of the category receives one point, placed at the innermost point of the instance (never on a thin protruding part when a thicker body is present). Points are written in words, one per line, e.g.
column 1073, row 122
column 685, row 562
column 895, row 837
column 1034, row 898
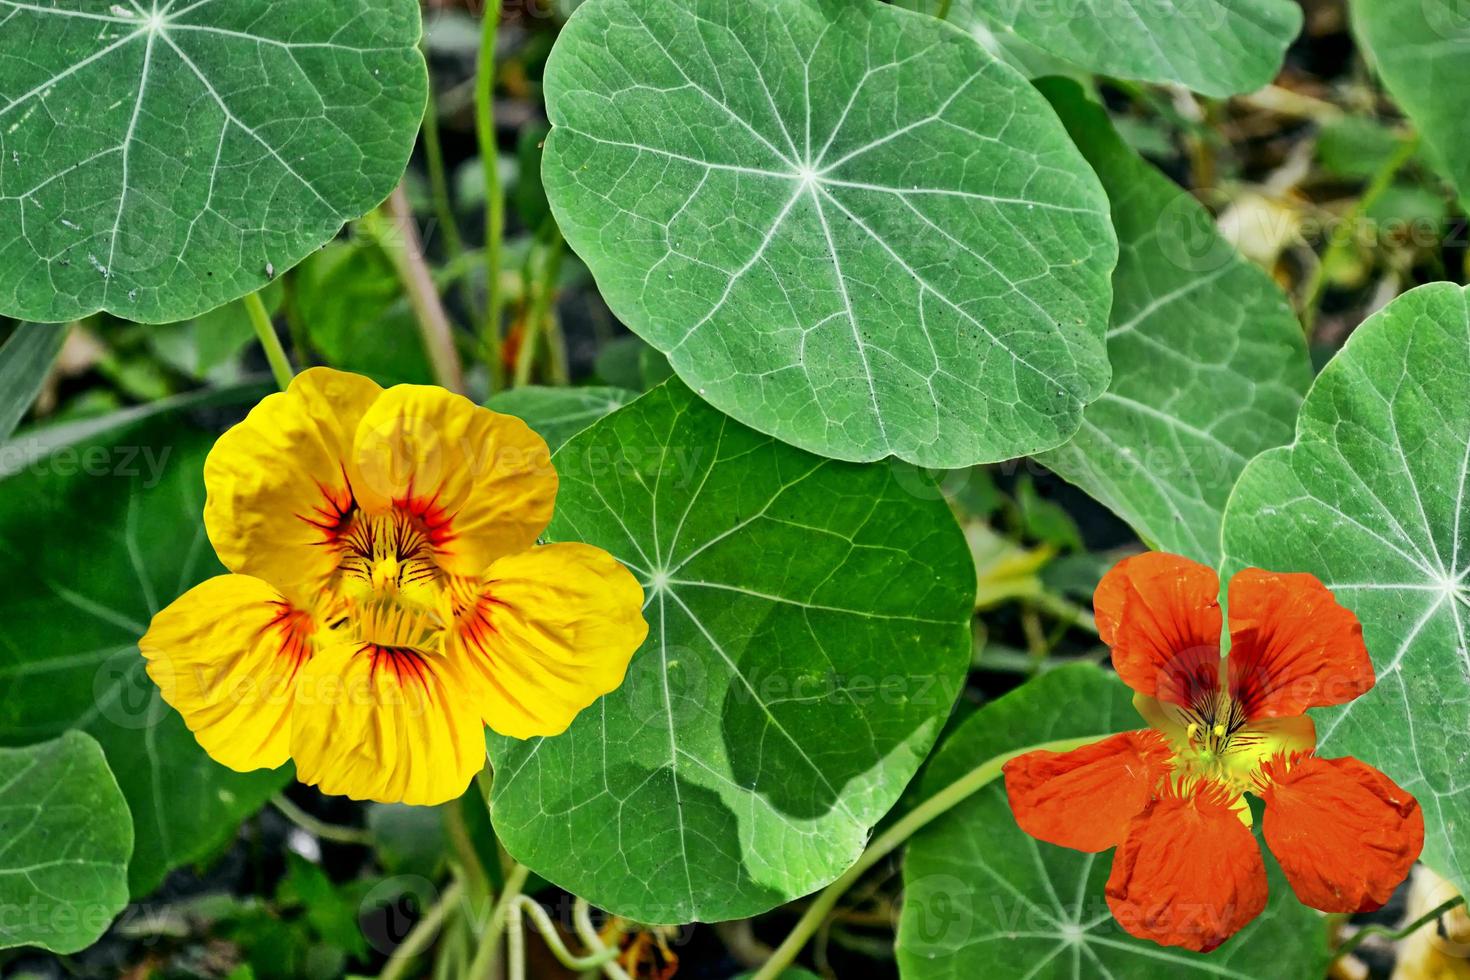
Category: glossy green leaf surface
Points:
column 808, row 634
column 1372, row 499
column 67, row 834
column 846, row 224
column 102, row 531
column 557, row 414
column 1215, row 47
column 982, row 897
column 1422, row 50
column 1209, row 364
column 25, row 363
column 158, row 161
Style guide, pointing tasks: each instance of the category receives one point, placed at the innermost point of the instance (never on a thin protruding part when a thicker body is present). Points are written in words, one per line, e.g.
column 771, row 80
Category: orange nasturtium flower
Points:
column 387, row 599
column 1188, row 871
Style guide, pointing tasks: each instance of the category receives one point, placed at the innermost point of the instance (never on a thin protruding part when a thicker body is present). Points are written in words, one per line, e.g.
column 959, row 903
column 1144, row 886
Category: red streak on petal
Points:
column 436, row 523
column 333, row 516
column 405, row 662
column 475, row 626
column 294, row 628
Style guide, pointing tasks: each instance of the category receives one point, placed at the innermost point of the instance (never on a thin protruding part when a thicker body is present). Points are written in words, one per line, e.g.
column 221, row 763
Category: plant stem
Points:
column 1343, row 235
column 407, row 254
column 266, row 332
column 495, row 928
column 494, row 196
column 600, row 953
column 943, row 13
column 904, row 828
column 477, row 882
column 582, row 923
column 438, row 184
column 422, row 935
column 538, row 316
column 326, row 831
column 1067, row 611
column 1357, row 938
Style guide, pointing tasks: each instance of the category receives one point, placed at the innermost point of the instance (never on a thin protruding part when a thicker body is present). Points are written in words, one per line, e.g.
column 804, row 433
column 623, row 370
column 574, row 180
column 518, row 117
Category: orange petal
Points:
column 1160, row 613
column 1189, row 873
column 1085, row 798
column 1344, row 833
column 1292, row 647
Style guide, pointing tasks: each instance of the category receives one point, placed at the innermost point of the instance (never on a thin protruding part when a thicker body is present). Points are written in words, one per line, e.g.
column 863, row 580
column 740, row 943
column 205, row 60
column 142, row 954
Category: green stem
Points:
column 1066, row 610
column 1357, row 938
column 943, row 13
column 538, row 316
column 266, row 332
column 490, row 940
column 438, row 183
column 890, row 840
column 477, row 882
column 422, row 935
column 320, row 828
column 587, row 932
column 494, row 196
column 1341, row 241
column 600, row 953
column 406, row 252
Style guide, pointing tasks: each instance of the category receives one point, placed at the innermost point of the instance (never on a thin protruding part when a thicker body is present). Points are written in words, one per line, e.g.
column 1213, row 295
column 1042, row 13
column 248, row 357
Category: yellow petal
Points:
column 394, row 725
column 226, row 655
column 1266, row 737
column 279, row 480
column 545, row 633
column 480, row 482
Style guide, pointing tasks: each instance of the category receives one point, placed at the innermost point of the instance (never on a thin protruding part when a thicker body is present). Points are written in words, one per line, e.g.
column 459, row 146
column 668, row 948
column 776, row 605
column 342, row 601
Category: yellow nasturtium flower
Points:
column 388, row 599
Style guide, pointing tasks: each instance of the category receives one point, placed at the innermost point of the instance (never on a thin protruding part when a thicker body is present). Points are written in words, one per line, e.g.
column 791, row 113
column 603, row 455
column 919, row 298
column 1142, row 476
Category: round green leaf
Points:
column 67, row 834
column 981, row 896
column 1372, row 499
column 103, row 530
column 1216, row 47
column 846, row 224
column 159, row 158
column 1209, row 364
column 808, row 634
column 557, row 414
column 1418, row 46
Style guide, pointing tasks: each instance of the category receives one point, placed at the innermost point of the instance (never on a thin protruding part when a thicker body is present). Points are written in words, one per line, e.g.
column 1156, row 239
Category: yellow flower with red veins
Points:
column 388, row 599
column 1188, row 871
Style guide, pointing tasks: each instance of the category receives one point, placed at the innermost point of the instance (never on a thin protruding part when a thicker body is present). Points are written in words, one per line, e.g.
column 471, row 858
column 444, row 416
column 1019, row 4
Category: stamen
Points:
column 387, row 553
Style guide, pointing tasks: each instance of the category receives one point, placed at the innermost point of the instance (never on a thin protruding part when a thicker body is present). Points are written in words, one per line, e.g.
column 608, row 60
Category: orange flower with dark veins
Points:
column 1171, row 798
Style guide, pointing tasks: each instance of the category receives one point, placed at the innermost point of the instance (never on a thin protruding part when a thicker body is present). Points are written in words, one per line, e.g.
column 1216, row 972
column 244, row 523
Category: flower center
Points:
column 388, row 556
column 388, row 590
column 1212, row 740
